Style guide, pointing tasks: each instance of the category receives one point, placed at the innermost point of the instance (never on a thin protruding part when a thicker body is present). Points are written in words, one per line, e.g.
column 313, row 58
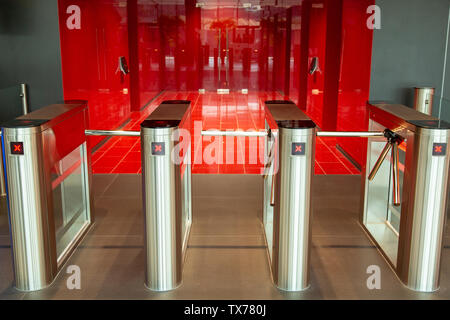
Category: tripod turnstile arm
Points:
column 380, row 160
column 392, row 144
column 272, row 191
column 395, row 175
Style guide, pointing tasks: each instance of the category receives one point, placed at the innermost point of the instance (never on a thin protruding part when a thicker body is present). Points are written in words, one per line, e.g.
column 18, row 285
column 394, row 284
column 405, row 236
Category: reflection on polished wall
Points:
column 187, row 45
column 90, row 60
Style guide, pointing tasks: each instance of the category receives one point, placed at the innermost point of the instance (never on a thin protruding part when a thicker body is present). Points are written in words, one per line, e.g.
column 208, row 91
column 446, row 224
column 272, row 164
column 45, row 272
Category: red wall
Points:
column 354, row 82
column 90, row 59
column 335, row 96
column 176, row 47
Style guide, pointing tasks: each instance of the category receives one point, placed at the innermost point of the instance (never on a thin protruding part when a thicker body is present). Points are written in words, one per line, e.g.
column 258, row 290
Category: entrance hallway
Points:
column 226, row 257
column 234, row 111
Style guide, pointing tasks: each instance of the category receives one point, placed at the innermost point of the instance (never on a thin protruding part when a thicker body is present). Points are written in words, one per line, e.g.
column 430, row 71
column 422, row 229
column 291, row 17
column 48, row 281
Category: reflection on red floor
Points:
column 212, row 111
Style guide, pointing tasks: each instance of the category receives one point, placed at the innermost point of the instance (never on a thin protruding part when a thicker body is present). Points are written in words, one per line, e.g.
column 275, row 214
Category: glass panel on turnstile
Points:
column 394, row 211
column 70, row 199
column 186, row 201
column 268, row 208
column 382, row 218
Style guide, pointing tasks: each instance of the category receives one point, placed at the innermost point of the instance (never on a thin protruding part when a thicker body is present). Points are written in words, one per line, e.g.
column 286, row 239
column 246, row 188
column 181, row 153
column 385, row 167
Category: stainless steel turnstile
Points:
column 289, row 169
column 405, row 191
column 287, row 194
column 48, row 177
column 166, row 179
column 404, row 198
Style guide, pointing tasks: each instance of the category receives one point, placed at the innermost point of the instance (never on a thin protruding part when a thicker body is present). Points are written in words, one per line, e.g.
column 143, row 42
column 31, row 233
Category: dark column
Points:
column 194, row 56
column 287, row 62
column 133, row 51
column 162, row 50
column 332, row 64
column 304, row 48
column 276, row 53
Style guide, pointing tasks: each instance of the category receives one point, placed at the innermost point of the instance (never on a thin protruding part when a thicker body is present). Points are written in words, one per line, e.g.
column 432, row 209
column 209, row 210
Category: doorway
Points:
column 229, row 36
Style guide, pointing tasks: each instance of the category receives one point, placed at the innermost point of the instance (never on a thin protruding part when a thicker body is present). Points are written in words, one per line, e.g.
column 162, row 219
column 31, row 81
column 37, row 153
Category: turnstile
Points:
column 287, row 194
column 289, row 169
column 48, row 177
column 47, row 164
column 405, row 191
column 166, row 180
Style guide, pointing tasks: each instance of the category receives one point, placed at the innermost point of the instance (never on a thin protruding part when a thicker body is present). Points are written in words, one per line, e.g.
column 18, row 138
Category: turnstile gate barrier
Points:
column 287, row 194
column 166, row 179
column 48, row 178
column 404, row 196
column 405, row 188
column 289, row 156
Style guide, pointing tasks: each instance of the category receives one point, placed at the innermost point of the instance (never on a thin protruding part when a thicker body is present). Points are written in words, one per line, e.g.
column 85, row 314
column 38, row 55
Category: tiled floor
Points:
column 222, row 112
column 226, row 255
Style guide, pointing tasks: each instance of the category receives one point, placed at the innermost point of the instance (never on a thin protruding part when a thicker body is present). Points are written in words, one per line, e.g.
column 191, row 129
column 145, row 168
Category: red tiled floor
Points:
column 234, row 111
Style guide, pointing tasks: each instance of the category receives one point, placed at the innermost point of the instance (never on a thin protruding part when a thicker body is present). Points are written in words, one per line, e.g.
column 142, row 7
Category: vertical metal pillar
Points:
column 33, row 146
column 413, row 244
column 423, row 100
column 2, row 176
column 162, row 205
column 293, row 207
column 24, row 98
column 33, row 252
column 422, row 230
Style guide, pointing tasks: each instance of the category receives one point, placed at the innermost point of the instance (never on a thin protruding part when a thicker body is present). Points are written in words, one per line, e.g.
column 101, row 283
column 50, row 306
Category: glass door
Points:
column 227, row 39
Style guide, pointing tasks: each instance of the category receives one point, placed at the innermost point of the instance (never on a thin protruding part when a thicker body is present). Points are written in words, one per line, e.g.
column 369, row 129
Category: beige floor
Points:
column 226, row 258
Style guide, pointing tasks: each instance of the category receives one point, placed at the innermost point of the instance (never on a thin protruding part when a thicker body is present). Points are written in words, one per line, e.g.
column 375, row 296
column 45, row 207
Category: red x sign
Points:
column 158, row 148
column 17, row 148
column 298, row 149
column 439, row 149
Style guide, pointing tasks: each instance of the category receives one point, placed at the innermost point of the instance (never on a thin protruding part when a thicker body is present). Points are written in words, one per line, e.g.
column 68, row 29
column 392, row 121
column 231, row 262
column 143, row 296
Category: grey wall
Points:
column 30, row 49
column 409, row 50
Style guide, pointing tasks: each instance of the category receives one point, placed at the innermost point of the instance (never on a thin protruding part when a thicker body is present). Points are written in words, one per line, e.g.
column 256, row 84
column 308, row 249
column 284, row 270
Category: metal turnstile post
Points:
column 33, row 254
column 2, row 176
column 422, row 231
column 162, row 205
column 292, row 205
column 166, row 196
column 404, row 204
column 45, row 158
column 287, row 194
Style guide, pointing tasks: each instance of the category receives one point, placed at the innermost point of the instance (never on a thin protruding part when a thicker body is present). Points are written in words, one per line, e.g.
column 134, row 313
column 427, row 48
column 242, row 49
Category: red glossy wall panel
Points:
column 335, row 31
column 295, row 54
column 317, row 28
column 354, row 81
column 149, row 52
column 181, row 47
column 90, row 60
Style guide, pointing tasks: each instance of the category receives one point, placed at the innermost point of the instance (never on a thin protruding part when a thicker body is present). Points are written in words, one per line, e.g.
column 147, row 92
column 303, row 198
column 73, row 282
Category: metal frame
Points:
column 424, row 194
column 288, row 196
column 167, row 196
column 47, row 136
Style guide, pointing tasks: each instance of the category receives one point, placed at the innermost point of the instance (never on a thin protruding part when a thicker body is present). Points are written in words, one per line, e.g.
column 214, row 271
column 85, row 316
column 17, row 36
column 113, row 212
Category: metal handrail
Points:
column 358, row 134
column 117, row 133
column 237, row 133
